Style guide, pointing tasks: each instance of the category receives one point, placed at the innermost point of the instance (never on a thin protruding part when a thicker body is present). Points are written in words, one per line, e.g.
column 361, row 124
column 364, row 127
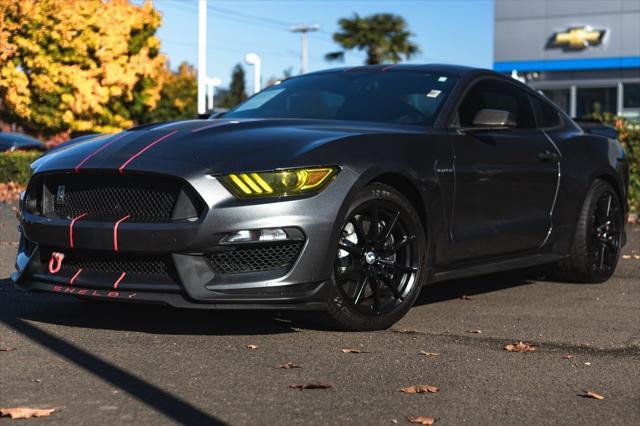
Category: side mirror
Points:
column 493, row 118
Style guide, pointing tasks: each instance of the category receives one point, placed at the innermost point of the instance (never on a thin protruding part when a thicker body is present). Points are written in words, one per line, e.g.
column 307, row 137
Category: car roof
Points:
column 459, row 70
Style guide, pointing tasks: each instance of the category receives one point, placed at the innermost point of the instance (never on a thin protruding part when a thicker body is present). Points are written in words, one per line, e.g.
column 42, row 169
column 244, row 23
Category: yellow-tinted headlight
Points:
column 279, row 183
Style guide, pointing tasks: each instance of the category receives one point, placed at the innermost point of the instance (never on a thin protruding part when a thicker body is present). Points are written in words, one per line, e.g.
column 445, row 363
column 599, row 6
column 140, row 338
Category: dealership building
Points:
column 583, row 55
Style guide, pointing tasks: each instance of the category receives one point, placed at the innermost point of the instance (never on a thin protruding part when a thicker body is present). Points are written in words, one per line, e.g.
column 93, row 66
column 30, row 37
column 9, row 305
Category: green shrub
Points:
column 15, row 166
column 629, row 136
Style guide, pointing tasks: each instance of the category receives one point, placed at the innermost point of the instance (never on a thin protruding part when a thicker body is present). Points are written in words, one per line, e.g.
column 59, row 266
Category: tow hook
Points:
column 55, row 263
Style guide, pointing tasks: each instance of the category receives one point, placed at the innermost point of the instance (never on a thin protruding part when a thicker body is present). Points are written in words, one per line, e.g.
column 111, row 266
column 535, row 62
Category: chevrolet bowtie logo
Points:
column 577, row 38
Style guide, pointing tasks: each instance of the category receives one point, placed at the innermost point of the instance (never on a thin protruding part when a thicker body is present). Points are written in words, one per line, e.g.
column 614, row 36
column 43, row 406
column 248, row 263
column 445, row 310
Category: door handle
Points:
column 548, row 156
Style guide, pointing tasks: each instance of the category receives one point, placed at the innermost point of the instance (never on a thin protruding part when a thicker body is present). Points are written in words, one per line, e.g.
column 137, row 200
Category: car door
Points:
column 505, row 179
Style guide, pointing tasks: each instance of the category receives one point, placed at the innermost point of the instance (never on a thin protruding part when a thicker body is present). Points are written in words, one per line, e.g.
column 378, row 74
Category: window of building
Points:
column 631, row 95
column 595, row 100
column 560, row 97
column 494, row 94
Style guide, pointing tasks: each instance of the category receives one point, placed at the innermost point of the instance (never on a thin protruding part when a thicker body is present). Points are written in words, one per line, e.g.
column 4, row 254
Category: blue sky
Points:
column 449, row 31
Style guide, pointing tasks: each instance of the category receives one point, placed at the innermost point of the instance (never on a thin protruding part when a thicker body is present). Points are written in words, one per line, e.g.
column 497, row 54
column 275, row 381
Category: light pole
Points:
column 202, row 55
column 303, row 30
column 254, row 59
column 212, row 83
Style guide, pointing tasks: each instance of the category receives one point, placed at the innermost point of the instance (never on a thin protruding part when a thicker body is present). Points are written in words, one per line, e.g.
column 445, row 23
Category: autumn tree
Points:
column 78, row 66
column 383, row 36
column 178, row 98
column 237, row 89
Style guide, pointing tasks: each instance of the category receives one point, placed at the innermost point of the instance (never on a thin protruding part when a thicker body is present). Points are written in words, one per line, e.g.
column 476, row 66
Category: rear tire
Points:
column 596, row 246
column 378, row 270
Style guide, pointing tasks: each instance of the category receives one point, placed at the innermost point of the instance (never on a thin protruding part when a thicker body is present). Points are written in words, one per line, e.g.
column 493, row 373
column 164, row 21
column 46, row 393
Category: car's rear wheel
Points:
column 379, row 262
column 596, row 247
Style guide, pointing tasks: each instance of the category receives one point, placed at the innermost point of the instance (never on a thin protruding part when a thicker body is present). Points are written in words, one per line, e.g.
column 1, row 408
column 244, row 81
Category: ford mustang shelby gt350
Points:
column 342, row 191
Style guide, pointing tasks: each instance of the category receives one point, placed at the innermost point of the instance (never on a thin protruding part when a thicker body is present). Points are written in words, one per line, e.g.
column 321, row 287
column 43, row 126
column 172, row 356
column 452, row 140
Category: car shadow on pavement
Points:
column 456, row 289
column 171, row 406
column 158, row 319
column 148, row 318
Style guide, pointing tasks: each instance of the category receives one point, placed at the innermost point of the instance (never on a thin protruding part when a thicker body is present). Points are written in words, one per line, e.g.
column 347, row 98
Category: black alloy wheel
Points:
column 379, row 260
column 598, row 238
column 604, row 245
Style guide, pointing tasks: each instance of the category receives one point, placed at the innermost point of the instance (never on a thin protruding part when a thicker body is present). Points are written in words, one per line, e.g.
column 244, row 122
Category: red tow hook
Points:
column 55, row 263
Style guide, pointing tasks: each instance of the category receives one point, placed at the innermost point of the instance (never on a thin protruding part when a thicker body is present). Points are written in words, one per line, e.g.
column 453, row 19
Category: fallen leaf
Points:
column 587, row 363
column 474, row 331
column 465, row 297
column 311, row 386
column 592, row 394
column 420, row 389
column 289, row 365
column 428, row 353
column 36, row 380
column 25, row 412
column 7, row 349
column 354, row 351
column 568, row 356
column 520, row 347
column 252, row 346
column 626, row 256
column 636, row 256
column 421, row 420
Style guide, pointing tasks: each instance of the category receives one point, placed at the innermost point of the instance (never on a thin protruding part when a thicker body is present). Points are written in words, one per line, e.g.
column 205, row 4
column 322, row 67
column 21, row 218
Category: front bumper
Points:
column 185, row 247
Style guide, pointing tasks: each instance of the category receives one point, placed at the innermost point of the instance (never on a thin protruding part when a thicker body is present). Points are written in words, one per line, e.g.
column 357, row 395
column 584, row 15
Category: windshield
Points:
column 402, row 97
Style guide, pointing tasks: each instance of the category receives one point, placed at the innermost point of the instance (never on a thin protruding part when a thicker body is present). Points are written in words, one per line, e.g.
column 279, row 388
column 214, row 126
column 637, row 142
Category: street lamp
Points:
column 254, row 59
column 202, row 55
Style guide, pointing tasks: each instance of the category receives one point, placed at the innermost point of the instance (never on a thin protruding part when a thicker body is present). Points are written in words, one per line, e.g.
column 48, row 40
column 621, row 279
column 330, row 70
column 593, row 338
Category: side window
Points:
column 494, row 94
column 546, row 115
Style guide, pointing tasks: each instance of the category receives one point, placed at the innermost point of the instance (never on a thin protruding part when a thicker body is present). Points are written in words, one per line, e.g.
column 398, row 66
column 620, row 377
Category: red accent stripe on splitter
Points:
column 387, row 68
column 120, row 278
column 137, row 154
column 115, row 232
column 73, row 221
column 85, row 159
column 72, row 280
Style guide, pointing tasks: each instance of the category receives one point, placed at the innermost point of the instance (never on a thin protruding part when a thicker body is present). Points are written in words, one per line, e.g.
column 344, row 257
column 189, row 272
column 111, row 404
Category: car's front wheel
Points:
column 379, row 262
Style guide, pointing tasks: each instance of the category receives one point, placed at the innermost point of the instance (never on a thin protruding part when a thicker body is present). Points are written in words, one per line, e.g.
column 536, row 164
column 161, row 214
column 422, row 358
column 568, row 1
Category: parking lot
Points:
column 107, row 363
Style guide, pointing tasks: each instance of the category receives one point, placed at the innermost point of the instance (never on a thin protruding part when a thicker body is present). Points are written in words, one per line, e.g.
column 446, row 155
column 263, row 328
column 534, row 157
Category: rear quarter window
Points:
column 546, row 115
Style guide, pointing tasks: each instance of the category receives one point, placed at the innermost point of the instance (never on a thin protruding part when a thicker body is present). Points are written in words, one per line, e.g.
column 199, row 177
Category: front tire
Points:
column 596, row 246
column 379, row 263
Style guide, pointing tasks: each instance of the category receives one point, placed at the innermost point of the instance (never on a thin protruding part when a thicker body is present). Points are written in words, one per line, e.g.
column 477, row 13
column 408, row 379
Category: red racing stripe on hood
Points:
column 137, row 154
column 85, row 159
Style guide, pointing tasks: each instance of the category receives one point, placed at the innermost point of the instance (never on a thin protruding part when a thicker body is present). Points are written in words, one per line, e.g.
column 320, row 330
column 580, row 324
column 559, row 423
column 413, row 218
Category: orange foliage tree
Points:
column 78, row 66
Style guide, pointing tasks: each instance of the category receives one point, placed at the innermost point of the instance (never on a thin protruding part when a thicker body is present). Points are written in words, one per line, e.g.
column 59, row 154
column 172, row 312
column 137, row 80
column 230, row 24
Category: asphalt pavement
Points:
column 109, row 363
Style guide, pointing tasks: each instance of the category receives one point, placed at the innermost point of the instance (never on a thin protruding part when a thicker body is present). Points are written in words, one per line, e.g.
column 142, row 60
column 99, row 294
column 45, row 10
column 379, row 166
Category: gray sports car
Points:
column 342, row 191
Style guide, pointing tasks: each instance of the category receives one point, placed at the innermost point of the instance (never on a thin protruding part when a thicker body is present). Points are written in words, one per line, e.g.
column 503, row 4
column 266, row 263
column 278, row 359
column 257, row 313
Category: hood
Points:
column 213, row 146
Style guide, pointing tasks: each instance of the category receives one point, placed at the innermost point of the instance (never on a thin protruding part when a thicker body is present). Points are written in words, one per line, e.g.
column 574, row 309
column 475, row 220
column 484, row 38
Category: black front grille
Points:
column 130, row 266
column 110, row 197
column 100, row 269
column 256, row 258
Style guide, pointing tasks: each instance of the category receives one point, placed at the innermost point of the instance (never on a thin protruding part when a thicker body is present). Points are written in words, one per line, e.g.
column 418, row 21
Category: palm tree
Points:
column 384, row 36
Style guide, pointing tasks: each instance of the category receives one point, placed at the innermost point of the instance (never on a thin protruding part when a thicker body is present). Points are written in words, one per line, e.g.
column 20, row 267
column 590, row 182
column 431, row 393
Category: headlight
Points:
column 279, row 183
